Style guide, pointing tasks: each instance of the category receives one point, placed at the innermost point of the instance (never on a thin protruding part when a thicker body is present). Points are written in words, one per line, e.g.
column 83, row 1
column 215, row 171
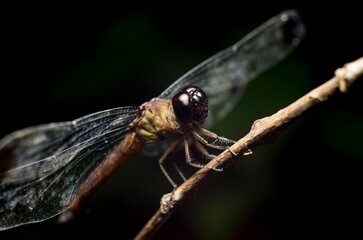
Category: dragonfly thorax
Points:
column 156, row 121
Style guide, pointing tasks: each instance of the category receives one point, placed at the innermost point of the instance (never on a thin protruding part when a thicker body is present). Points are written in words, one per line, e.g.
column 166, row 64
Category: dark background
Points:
column 62, row 62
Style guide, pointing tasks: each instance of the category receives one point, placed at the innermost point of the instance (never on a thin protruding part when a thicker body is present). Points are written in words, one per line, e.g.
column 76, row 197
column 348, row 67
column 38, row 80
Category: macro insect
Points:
column 48, row 169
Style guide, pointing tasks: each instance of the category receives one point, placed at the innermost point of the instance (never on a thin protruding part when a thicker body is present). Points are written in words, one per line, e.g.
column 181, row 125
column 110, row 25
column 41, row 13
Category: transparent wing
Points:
column 224, row 76
column 41, row 166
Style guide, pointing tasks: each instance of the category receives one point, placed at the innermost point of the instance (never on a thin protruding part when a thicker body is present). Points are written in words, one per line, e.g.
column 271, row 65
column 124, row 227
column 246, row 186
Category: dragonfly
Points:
column 50, row 169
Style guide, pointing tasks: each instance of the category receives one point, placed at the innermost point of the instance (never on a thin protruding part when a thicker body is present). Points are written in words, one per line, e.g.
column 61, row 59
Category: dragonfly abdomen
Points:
column 130, row 145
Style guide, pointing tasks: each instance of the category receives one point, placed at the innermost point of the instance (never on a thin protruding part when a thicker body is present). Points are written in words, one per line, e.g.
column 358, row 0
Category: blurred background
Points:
column 62, row 62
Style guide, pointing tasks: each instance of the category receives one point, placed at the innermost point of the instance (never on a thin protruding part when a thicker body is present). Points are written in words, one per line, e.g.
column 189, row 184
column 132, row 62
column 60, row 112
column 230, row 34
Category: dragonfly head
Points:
column 191, row 105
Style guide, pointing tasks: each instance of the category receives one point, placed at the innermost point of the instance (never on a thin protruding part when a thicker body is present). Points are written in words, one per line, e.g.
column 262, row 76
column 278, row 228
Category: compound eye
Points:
column 183, row 107
column 191, row 104
column 200, row 104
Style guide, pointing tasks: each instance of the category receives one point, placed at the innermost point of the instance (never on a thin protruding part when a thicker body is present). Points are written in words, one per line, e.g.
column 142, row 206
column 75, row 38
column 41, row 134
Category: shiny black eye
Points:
column 191, row 104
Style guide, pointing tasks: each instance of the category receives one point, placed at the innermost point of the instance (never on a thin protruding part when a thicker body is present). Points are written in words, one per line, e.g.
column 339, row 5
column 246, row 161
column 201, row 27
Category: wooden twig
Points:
column 263, row 131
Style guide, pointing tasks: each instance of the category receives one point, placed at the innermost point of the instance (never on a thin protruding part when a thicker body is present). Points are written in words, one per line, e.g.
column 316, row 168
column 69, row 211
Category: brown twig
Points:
column 263, row 131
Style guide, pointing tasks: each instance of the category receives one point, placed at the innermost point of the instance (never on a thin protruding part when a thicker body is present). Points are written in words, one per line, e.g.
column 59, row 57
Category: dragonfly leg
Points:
column 166, row 174
column 220, row 143
column 162, row 159
column 231, row 151
column 203, row 151
column 179, row 171
column 190, row 160
column 225, row 142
